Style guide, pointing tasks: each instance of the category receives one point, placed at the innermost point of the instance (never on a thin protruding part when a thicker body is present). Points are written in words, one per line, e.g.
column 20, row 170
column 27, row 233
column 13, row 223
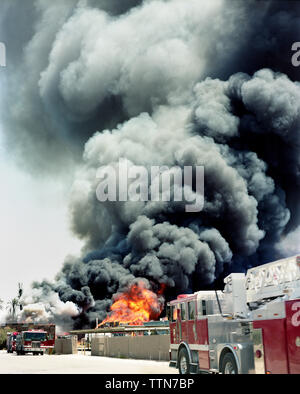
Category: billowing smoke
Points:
column 289, row 245
column 44, row 305
column 159, row 83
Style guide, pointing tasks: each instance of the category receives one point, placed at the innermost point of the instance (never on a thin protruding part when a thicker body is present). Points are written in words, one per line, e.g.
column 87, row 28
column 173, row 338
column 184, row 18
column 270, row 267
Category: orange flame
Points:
column 136, row 306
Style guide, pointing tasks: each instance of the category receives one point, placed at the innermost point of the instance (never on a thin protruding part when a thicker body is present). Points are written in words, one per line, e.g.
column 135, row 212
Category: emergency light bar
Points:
column 274, row 279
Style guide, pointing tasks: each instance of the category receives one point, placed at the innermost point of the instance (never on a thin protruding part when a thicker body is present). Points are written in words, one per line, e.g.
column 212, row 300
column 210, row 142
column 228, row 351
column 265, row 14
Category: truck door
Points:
column 191, row 324
column 183, row 323
column 178, row 326
column 174, row 324
column 293, row 335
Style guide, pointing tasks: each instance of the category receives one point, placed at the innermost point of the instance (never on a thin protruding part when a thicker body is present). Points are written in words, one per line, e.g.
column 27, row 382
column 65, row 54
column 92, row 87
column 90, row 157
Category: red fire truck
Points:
column 252, row 326
column 33, row 341
column 11, row 341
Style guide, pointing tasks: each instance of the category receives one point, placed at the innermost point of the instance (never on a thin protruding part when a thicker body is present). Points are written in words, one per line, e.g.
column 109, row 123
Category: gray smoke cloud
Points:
column 76, row 67
column 43, row 304
column 245, row 211
column 289, row 245
column 165, row 83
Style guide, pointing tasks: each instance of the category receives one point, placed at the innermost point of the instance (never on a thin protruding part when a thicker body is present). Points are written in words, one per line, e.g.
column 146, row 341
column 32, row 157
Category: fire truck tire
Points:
column 229, row 364
column 183, row 362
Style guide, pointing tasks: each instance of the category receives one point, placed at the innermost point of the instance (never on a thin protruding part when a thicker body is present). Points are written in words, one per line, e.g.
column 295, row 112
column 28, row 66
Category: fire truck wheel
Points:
column 229, row 365
column 183, row 362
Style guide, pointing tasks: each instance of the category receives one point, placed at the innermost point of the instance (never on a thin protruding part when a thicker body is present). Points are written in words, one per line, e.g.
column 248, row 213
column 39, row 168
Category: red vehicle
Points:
column 33, row 341
column 11, row 341
column 253, row 326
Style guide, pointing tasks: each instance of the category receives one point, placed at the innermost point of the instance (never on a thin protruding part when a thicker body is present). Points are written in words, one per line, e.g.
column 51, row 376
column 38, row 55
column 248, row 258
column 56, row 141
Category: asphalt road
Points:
column 79, row 364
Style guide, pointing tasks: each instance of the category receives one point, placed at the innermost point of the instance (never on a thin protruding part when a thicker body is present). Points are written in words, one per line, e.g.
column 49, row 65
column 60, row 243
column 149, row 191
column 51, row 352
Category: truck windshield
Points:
column 34, row 336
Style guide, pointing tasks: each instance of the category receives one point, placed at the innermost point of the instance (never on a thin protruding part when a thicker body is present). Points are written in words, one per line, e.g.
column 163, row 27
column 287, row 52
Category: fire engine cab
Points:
column 33, row 341
column 252, row 326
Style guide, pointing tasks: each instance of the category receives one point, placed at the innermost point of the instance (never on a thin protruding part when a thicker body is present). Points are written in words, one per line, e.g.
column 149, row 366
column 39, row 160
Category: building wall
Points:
column 66, row 345
column 152, row 347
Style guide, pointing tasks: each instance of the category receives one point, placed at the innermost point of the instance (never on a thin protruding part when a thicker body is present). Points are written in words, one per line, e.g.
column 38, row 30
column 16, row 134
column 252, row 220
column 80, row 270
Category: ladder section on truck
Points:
column 279, row 278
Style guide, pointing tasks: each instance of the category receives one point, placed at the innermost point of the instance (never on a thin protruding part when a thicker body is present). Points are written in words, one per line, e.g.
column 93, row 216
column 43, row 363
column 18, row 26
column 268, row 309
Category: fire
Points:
column 136, row 306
